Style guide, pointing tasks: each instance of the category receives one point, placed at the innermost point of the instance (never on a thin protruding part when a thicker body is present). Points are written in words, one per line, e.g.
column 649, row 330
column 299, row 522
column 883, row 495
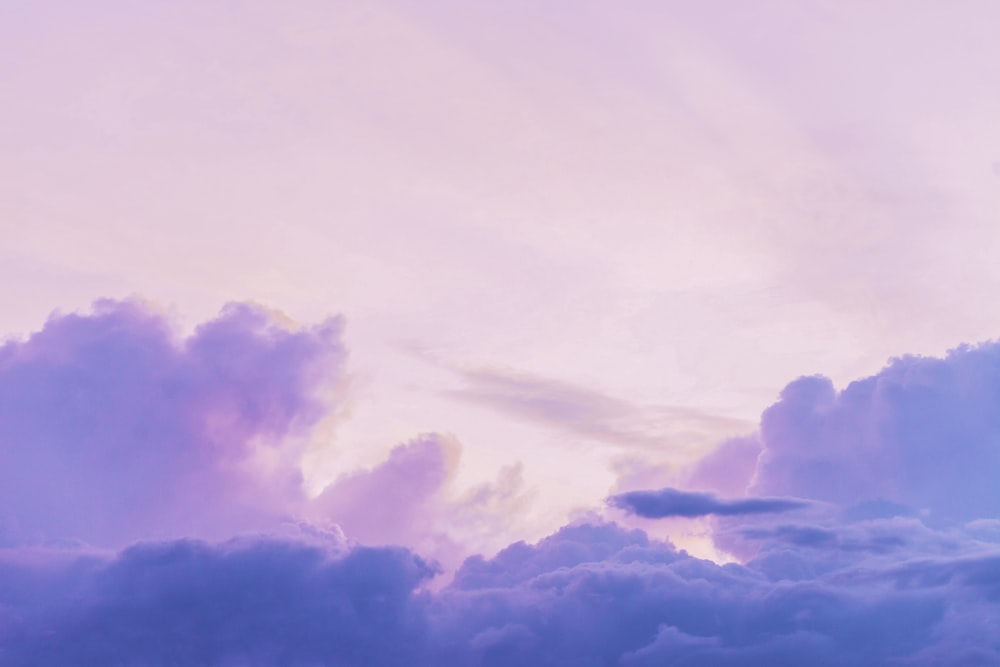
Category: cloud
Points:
column 390, row 502
column 409, row 499
column 591, row 593
column 249, row 601
column 675, row 503
column 728, row 468
column 923, row 433
column 588, row 594
column 590, row 414
column 112, row 428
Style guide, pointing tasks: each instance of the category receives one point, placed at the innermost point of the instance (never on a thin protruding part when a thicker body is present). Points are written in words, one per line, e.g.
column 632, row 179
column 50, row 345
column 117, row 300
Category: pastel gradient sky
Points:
column 677, row 206
column 353, row 297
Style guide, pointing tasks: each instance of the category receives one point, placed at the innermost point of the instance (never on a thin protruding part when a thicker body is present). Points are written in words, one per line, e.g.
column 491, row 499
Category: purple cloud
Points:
column 408, row 499
column 673, row 502
column 923, row 433
column 728, row 468
column 400, row 501
column 114, row 431
column 249, row 601
column 112, row 428
column 588, row 594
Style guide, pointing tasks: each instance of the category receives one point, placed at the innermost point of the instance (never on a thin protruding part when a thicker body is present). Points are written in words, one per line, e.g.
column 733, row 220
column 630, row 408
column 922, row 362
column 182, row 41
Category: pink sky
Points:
column 657, row 214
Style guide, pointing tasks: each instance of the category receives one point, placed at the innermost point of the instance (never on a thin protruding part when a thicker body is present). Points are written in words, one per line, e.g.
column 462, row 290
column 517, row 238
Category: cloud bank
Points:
column 589, row 594
column 147, row 484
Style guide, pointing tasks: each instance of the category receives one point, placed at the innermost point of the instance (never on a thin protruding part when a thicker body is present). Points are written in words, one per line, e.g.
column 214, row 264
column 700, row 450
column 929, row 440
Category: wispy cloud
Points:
column 592, row 415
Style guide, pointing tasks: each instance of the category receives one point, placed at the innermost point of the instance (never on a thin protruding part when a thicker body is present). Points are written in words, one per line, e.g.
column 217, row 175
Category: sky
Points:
column 341, row 333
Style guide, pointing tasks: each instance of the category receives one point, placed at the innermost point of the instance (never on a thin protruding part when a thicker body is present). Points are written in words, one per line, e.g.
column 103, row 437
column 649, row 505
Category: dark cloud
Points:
column 112, row 428
column 673, row 502
column 590, row 594
column 246, row 602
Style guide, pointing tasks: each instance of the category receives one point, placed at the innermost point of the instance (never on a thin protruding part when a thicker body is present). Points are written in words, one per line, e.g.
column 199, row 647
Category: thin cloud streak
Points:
column 676, row 503
column 592, row 415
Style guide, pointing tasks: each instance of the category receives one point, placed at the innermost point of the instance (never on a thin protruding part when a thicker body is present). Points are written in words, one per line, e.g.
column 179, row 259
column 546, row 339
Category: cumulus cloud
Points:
column 588, row 594
column 390, row 502
column 130, row 456
column 409, row 499
column 246, row 602
column 674, row 502
column 923, row 433
column 112, row 428
column 727, row 468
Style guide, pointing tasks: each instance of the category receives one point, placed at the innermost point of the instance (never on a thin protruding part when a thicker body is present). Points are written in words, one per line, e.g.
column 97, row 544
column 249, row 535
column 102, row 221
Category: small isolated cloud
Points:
column 676, row 503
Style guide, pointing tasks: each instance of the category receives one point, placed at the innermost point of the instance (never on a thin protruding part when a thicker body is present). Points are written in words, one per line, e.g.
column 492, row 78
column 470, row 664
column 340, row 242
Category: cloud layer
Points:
column 154, row 515
column 590, row 594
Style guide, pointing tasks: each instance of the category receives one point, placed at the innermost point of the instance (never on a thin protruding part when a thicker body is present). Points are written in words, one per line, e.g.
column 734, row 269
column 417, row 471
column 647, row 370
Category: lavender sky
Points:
column 528, row 333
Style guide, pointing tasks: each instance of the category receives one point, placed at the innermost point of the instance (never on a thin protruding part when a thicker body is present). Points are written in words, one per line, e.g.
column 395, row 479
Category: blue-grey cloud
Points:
column 676, row 503
column 923, row 433
column 249, row 602
column 588, row 594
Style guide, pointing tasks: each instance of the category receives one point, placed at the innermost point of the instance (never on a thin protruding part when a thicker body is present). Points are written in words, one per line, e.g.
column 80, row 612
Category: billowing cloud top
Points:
column 113, row 429
column 589, row 594
column 924, row 433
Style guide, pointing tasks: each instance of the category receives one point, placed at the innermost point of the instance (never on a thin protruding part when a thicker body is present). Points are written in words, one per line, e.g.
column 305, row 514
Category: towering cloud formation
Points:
column 924, row 433
column 113, row 429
